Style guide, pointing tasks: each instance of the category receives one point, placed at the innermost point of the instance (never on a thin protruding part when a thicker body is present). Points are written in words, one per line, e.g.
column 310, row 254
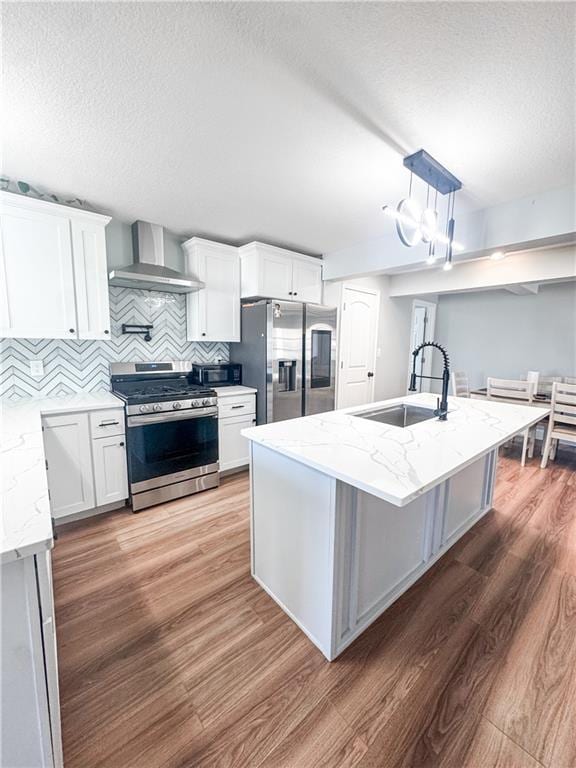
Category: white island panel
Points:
column 390, row 547
column 293, row 540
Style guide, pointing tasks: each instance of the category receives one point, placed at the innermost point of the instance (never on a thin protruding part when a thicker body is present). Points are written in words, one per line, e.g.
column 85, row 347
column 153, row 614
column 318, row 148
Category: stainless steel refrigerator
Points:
column 288, row 353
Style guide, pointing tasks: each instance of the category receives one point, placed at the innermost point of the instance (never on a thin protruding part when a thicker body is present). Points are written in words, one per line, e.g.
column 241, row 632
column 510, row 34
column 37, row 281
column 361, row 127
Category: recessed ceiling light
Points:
column 498, row 255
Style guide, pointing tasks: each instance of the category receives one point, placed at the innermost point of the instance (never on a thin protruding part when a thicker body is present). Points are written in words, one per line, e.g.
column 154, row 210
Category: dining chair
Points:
column 545, row 384
column 562, row 420
column 510, row 390
column 460, row 385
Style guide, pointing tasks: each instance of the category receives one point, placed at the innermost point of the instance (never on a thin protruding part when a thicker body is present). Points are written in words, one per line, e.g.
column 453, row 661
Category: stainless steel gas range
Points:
column 171, row 431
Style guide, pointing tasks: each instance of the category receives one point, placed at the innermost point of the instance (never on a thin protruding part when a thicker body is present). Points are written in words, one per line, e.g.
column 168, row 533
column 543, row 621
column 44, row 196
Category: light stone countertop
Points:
column 25, row 520
column 397, row 464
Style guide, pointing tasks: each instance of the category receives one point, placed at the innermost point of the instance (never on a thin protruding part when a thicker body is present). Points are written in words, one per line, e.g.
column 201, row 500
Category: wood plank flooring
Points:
column 170, row 655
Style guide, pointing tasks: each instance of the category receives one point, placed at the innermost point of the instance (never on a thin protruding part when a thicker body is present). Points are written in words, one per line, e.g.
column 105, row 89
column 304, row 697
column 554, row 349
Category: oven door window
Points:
column 171, row 446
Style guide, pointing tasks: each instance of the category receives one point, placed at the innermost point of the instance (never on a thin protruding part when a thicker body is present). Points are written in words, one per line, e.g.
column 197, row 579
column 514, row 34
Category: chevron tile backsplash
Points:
column 82, row 366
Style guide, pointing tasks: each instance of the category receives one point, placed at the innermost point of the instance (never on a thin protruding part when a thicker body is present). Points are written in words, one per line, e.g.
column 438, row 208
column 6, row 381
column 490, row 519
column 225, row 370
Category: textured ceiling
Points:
column 283, row 121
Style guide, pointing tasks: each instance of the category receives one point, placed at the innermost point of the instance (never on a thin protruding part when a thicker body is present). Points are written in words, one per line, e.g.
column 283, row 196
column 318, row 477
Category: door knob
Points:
column 370, row 374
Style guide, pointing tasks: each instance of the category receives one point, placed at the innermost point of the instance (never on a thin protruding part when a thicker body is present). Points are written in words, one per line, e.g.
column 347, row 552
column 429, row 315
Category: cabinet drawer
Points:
column 107, row 423
column 239, row 405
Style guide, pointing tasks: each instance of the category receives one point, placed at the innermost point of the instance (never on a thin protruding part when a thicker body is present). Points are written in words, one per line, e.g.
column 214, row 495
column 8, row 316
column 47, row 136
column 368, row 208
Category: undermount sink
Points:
column 402, row 415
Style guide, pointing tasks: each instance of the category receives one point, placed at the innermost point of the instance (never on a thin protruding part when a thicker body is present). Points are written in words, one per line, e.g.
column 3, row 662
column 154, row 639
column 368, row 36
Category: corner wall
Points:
column 393, row 338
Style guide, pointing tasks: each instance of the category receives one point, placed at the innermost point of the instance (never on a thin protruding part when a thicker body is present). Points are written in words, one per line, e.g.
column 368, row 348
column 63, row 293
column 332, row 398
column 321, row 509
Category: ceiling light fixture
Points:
column 416, row 224
column 498, row 255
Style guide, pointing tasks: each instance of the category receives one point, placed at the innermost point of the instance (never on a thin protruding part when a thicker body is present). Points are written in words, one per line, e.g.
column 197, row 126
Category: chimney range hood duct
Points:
column 148, row 271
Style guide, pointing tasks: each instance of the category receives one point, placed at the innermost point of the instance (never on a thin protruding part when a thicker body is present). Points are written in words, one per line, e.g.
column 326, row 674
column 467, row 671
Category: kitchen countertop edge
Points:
column 26, row 523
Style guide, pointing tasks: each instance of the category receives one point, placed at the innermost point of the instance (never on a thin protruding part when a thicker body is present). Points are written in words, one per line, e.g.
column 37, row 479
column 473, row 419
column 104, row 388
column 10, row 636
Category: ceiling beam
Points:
column 524, row 269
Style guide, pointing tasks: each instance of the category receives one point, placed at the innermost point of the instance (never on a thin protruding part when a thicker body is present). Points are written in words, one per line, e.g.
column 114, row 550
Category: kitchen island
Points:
column 347, row 512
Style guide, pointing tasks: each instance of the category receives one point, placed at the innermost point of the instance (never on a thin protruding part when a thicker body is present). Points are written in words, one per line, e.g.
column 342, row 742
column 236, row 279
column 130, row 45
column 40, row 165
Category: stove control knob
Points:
column 206, row 401
column 176, row 405
column 196, row 403
column 144, row 408
column 156, row 407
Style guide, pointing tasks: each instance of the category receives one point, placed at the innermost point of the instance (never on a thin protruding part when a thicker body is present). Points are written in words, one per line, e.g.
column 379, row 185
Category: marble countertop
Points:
column 397, row 464
column 234, row 390
column 25, row 521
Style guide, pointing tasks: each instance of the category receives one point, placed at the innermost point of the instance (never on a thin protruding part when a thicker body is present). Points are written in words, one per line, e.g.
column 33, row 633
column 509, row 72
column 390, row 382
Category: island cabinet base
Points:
column 335, row 557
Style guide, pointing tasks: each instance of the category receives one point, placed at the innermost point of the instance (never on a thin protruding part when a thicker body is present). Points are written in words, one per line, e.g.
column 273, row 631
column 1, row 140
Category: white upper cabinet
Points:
column 307, row 280
column 276, row 273
column 37, row 275
column 213, row 313
column 90, row 279
column 53, row 275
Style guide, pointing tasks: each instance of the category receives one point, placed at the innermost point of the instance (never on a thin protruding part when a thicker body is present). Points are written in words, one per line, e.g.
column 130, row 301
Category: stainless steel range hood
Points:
column 148, row 271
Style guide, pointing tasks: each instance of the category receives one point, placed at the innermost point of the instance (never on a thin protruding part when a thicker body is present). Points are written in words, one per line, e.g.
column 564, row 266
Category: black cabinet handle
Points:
column 72, row 330
column 295, row 293
column 204, row 334
column 121, row 445
column 106, row 331
column 108, row 423
column 237, row 406
column 370, row 374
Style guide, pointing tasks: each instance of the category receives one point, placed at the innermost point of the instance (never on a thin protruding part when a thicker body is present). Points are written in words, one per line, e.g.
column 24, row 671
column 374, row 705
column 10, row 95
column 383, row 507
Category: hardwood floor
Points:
column 170, row 655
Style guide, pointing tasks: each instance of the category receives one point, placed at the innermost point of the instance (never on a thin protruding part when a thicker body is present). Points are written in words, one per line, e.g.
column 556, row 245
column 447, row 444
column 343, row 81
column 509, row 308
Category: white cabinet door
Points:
column 233, row 448
column 110, row 473
column 36, row 275
column 69, row 463
column 90, row 279
column 275, row 278
column 213, row 313
column 307, row 281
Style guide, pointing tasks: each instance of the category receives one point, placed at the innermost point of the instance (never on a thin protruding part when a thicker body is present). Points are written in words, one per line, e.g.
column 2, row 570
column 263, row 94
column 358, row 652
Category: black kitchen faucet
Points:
column 442, row 409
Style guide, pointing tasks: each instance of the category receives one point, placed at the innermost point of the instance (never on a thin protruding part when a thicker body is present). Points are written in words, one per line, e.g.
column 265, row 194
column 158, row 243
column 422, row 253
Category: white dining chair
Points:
column 460, row 385
column 562, row 420
column 512, row 390
column 545, row 384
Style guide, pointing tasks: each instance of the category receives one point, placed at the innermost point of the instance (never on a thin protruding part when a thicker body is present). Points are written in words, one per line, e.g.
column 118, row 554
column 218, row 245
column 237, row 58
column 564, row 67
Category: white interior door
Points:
column 423, row 319
column 358, row 333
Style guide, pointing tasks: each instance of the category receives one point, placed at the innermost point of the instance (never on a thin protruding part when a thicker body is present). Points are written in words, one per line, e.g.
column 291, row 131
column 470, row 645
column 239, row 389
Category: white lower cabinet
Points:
column 234, row 415
column 68, row 463
column 85, row 470
column 110, row 472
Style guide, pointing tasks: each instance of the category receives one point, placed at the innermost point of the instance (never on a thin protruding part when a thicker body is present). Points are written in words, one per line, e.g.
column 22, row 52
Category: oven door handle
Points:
column 157, row 418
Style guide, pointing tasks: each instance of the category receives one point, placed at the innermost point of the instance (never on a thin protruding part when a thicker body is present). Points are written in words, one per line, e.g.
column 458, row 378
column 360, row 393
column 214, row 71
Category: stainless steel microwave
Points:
column 217, row 374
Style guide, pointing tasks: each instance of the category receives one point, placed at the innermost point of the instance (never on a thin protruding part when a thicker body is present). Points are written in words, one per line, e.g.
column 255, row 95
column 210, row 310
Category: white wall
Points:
column 393, row 334
column 496, row 333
